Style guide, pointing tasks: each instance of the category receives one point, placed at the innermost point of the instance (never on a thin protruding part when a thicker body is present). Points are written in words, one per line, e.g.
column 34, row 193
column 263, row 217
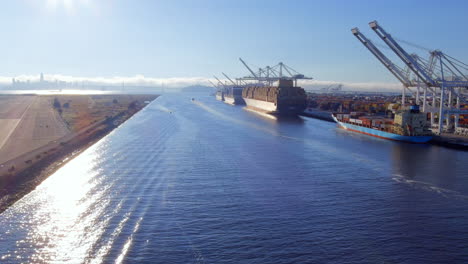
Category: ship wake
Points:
column 447, row 193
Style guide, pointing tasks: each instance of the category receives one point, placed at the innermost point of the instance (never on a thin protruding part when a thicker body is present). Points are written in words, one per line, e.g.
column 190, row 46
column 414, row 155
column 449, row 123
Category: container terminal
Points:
column 433, row 104
column 229, row 93
column 438, row 83
column 271, row 90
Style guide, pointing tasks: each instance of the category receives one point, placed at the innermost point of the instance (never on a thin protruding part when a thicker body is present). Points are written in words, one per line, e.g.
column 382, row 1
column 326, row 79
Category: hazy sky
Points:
column 164, row 39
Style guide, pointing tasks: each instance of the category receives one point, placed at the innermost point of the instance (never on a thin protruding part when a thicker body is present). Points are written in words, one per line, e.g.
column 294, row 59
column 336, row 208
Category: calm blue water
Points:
column 205, row 182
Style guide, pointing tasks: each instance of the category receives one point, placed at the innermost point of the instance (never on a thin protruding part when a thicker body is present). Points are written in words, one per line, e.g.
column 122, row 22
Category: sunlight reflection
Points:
column 67, row 223
column 127, row 245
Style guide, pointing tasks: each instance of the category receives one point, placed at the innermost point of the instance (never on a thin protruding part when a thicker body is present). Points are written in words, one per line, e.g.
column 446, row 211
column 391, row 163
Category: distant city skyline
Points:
column 183, row 43
column 65, row 82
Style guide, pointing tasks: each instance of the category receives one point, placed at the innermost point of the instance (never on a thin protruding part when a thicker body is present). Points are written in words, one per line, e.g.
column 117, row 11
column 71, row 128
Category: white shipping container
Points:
column 358, row 121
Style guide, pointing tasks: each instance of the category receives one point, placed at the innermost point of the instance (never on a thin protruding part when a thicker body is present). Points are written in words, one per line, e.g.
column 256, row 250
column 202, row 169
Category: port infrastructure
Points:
column 214, row 85
column 228, row 83
column 440, row 75
column 270, row 74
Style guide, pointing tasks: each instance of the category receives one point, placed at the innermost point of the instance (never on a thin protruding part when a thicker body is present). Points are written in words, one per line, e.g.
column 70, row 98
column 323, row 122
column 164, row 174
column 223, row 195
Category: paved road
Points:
column 13, row 107
column 39, row 125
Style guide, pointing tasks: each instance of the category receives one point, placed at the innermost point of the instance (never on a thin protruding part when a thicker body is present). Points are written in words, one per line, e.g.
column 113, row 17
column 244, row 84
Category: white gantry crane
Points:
column 220, row 84
column 214, row 85
column 442, row 75
column 233, row 83
column 268, row 75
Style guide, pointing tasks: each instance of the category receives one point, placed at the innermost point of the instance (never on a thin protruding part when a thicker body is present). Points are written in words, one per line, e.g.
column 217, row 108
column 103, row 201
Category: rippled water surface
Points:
column 206, row 182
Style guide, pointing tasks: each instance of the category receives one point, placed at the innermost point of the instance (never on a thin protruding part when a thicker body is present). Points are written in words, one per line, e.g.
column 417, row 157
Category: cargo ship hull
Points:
column 219, row 97
column 382, row 134
column 272, row 108
column 281, row 99
column 236, row 100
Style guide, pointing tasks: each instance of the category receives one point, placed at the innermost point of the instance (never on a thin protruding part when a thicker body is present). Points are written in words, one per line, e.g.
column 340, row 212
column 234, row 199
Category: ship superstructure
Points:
column 233, row 95
column 219, row 95
column 233, row 92
column 230, row 93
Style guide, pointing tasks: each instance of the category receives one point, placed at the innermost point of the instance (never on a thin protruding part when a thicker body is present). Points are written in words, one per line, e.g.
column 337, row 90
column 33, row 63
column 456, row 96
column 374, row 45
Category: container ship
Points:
column 219, row 95
column 319, row 114
column 233, row 95
column 408, row 125
column 283, row 99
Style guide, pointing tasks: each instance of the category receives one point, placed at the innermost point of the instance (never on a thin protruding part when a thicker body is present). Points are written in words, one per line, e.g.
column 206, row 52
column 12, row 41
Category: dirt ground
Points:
column 80, row 111
column 39, row 124
column 29, row 122
column 14, row 106
column 7, row 126
column 46, row 118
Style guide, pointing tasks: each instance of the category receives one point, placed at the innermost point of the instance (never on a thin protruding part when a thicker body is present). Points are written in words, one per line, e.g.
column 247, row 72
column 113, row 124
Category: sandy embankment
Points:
column 39, row 124
column 7, row 126
column 23, row 172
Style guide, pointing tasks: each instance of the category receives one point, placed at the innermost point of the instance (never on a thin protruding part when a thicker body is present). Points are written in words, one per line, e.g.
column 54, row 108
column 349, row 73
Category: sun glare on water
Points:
column 70, row 215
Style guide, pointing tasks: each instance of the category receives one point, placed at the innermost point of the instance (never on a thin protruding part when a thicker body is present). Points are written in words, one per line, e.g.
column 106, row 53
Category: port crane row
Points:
column 443, row 76
column 263, row 76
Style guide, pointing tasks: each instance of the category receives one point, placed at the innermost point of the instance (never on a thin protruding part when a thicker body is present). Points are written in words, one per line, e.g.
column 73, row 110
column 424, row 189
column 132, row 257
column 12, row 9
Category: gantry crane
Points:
column 214, row 85
column 393, row 68
column 268, row 75
column 432, row 74
column 233, row 83
column 220, row 83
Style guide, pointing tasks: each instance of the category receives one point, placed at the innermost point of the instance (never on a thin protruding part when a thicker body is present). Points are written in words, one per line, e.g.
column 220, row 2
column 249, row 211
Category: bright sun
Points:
column 59, row 3
column 70, row 6
column 67, row 4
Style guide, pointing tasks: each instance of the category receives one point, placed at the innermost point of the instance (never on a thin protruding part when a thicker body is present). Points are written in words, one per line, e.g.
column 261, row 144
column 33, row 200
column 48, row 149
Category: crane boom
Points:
column 400, row 52
column 219, row 81
column 287, row 70
column 248, row 68
column 229, row 79
column 213, row 84
column 381, row 57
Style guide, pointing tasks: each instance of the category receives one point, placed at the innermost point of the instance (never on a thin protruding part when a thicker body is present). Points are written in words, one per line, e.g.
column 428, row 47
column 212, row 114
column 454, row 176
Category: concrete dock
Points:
column 451, row 141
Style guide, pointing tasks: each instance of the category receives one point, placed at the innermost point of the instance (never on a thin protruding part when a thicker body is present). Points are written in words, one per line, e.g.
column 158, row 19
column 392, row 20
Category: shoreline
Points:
column 445, row 141
column 450, row 142
column 17, row 185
